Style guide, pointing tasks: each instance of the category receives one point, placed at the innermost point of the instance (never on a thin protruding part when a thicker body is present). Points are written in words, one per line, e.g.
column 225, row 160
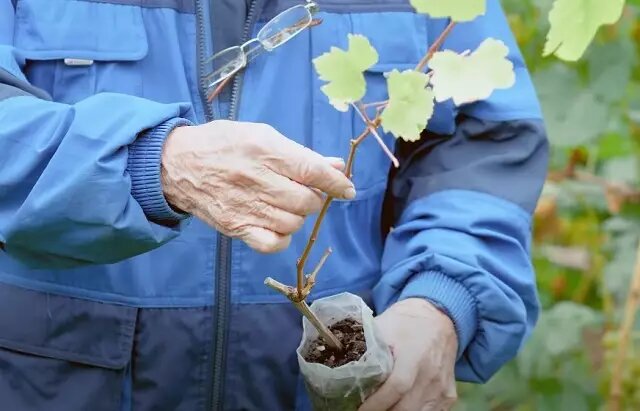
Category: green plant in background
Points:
column 583, row 355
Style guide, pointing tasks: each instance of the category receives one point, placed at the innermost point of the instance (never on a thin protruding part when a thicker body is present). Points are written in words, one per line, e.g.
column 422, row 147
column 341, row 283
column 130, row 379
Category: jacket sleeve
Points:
column 460, row 210
column 79, row 184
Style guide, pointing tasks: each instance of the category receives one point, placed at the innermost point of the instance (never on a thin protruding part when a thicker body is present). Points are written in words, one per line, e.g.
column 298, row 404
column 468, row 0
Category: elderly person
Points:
column 139, row 218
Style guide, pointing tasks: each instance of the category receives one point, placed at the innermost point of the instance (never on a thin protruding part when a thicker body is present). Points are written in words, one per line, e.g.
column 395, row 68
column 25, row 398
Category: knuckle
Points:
column 259, row 209
column 225, row 221
column 235, row 174
column 309, row 172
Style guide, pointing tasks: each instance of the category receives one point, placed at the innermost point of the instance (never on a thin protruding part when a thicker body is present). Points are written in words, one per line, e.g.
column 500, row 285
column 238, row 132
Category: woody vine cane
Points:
column 305, row 283
column 462, row 77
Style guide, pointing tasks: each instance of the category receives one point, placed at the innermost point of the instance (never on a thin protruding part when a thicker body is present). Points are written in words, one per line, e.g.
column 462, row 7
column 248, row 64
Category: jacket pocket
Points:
column 400, row 45
column 74, row 49
column 62, row 353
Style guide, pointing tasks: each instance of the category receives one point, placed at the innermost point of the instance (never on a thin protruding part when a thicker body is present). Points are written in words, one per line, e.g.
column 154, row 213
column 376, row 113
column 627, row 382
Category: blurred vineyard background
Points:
column 587, row 225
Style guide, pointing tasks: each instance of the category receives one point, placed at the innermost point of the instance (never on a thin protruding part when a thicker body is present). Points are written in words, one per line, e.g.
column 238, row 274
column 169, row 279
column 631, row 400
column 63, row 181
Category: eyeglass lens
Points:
column 225, row 63
column 284, row 26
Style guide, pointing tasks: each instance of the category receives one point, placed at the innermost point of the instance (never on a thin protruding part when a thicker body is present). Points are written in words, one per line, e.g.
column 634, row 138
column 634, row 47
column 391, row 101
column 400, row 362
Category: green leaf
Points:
column 574, row 24
column 410, row 104
column 610, row 68
column 572, row 319
column 457, row 10
column 573, row 114
column 613, row 145
column 343, row 70
column 467, row 78
column 622, row 169
column 618, row 272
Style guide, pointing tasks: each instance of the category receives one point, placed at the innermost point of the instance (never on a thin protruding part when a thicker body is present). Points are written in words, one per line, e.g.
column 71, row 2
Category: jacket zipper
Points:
column 223, row 257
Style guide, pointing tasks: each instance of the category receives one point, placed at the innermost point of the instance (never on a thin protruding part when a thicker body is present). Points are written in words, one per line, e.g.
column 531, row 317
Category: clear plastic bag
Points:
column 344, row 388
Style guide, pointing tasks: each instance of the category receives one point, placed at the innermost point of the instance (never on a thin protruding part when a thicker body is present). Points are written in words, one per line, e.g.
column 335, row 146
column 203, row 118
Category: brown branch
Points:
column 631, row 308
column 372, row 125
column 435, row 46
column 302, row 261
column 288, row 291
column 324, row 331
column 302, row 306
column 348, row 169
column 311, row 278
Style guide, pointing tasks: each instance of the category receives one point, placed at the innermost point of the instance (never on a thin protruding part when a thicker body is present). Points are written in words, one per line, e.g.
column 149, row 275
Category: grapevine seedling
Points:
column 439, row 76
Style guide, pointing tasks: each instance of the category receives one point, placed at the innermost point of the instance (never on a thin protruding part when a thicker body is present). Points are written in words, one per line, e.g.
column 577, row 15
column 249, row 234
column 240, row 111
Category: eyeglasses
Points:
column 274, row 34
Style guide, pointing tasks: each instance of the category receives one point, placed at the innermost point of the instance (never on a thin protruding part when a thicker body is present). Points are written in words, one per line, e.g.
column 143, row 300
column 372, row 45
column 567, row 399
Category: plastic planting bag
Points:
column 345, row 387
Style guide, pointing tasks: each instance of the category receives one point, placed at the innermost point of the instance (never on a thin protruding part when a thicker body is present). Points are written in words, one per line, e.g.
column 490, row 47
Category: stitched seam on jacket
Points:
column 182, row 6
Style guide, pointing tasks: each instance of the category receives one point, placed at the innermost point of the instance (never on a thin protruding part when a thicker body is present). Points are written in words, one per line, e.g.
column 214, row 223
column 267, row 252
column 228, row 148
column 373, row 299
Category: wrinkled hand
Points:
column 424, row 345
column 248, row 181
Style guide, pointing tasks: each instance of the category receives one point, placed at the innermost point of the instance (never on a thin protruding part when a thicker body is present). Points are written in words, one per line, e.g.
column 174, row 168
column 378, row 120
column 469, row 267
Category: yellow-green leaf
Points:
column 457, row 10
column 343, row 70
column 574, row 24
column 410, row 104
column 470, row 77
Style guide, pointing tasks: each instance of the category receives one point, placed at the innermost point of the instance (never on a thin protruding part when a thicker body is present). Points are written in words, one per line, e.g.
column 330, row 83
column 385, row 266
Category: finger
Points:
column 433, row 405
column 264, row 241
column 412, row 400
column 336, row 162
column 398, row 384
column 423, row 394
column 310, row 169
column 288, row 195
column 274, row 219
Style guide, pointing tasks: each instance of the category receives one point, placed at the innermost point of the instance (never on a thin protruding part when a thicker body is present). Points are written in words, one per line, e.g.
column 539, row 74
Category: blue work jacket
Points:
column 112, row 300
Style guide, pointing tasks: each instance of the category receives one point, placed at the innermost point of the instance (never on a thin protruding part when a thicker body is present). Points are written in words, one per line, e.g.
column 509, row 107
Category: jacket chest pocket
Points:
column 74, row 48
column 62, row 353
column 401, row 39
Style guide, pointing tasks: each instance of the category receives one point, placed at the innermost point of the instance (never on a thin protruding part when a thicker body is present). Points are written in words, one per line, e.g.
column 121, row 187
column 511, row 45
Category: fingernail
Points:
column 349, row 193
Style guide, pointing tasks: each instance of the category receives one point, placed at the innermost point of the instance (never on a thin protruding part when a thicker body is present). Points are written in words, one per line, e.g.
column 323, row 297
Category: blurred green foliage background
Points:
column 587, row 224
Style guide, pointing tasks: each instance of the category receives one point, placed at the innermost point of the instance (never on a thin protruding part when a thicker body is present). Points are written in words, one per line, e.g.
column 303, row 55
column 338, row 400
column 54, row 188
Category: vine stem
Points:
column 435, row 46
column 305, row 310
column 372, row 125
column 298, row 294
column 302, row 261
column 631, row 308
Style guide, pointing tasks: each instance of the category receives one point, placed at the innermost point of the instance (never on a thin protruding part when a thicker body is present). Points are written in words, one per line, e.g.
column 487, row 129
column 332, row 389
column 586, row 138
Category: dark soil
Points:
column 350, row 333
